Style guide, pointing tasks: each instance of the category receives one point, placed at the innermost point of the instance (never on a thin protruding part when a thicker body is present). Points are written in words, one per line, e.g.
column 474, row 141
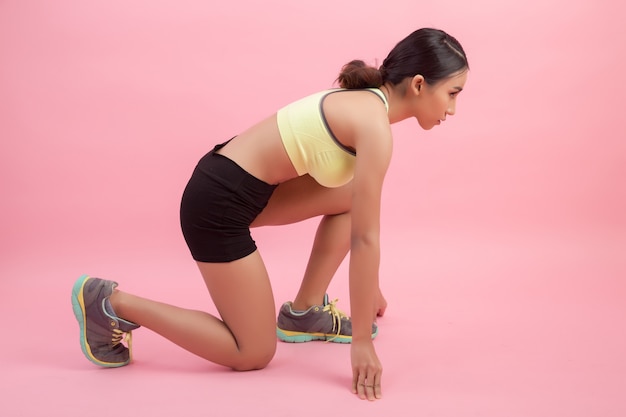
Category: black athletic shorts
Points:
column 218, row 205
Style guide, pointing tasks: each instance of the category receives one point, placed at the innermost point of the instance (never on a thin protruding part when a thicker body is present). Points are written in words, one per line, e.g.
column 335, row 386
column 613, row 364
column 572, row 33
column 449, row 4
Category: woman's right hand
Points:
column 366, row 370
column 381, row 304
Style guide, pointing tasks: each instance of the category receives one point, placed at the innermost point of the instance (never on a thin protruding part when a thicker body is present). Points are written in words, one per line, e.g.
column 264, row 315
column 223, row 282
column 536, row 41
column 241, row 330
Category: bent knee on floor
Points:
column 252, row 361
column 252, row 364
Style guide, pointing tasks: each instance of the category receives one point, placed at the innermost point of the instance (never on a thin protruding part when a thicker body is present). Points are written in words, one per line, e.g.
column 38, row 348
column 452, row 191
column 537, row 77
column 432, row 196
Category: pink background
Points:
column 504, row 252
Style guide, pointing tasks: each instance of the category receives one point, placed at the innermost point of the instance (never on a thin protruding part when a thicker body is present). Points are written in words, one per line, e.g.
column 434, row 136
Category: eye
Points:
column 453, row 95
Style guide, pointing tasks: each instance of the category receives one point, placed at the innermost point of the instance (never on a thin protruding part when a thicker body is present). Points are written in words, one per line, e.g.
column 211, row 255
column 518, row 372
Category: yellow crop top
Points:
column 310, row 144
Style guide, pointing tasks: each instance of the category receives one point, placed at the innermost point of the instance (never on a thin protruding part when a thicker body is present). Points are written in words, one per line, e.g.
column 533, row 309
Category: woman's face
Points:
column 433, row 103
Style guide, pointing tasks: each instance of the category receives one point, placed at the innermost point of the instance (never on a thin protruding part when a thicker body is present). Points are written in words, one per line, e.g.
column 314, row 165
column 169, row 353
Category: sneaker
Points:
column 319, row 322
column 101, row 331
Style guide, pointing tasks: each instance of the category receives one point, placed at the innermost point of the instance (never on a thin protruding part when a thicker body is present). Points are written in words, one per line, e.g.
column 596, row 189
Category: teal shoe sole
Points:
column 300, row 337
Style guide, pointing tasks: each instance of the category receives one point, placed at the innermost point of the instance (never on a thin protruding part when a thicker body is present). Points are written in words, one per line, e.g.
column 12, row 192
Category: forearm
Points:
column 364, row 265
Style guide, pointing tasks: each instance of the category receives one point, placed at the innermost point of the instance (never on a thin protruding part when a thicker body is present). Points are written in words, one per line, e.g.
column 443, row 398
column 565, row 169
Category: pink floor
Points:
column 504, row 230
column 495, row 327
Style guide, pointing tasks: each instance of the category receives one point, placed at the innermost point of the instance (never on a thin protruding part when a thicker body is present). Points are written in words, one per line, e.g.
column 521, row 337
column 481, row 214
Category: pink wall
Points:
column 106, row 107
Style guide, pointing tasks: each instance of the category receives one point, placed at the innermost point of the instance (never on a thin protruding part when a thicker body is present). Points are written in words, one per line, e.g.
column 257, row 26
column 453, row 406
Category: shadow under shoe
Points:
column 101, row 331
column 320, row 322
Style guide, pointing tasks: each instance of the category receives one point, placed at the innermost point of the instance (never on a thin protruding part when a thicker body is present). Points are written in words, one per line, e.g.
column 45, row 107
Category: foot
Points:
column 319, row 322
column 101, row 331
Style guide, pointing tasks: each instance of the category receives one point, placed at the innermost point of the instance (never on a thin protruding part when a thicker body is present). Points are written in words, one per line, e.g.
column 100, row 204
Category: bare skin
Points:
column 350, row 223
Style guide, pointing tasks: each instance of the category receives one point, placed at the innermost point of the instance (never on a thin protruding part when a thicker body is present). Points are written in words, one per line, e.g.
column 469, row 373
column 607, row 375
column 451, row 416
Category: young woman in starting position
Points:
column 324, row 155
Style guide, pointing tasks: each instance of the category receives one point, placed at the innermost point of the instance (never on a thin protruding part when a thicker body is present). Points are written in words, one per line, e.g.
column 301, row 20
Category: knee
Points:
column 259, row 358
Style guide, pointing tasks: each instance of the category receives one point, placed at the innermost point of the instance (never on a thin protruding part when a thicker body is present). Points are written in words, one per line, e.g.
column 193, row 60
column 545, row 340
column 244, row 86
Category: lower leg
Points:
column 195, row 331
column 331, row 244
column 246, row 337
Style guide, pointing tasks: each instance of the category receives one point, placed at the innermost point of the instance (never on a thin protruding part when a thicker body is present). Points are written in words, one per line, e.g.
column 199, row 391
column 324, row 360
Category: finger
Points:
column 378, row 392
column 361, row 388
column 358, row 379
column 365, row 391
column 369, row 386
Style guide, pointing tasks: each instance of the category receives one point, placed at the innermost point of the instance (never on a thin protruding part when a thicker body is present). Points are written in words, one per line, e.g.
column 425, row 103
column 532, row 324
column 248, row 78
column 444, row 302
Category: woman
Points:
column 325, row 155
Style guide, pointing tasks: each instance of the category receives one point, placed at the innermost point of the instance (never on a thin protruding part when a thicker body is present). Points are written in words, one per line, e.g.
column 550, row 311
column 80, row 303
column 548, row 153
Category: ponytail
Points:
column 357, row 74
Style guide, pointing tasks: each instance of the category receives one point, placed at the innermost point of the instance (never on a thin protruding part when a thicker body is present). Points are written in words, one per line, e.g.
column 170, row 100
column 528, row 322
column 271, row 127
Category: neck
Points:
column 395, row 98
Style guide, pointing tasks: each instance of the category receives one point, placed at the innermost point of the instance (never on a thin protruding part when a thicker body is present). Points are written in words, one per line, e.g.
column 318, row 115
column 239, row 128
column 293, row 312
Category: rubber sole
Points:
column 300, row 337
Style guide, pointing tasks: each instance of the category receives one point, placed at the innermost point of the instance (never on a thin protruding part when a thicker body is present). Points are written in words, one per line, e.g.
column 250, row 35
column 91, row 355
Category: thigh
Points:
column 242, row 293
column 302, row 198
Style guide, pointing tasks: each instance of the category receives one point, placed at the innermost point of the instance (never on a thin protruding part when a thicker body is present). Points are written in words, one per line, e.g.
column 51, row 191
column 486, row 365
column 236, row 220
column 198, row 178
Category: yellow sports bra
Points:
column 310, row 144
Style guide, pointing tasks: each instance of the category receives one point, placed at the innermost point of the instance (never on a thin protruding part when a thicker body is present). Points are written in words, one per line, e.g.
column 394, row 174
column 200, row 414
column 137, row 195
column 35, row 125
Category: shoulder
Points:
column 358, row 99
column 357, row 110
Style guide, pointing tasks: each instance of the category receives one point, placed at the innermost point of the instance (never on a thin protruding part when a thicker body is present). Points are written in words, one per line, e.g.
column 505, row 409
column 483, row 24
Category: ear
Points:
column 416, row 84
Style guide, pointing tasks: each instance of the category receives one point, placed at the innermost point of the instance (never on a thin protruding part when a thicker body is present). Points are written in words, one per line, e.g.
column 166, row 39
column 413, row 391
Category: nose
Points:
column 451, row 109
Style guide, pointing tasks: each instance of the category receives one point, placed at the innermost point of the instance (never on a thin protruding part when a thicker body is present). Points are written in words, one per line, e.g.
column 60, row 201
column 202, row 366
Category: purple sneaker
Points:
column 319, row 322
column 101, row 331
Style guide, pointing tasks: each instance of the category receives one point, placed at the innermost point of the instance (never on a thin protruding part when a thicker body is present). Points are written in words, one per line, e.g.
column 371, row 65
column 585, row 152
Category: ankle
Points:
column 303, row 304
column 119, row 303
column 116, row 300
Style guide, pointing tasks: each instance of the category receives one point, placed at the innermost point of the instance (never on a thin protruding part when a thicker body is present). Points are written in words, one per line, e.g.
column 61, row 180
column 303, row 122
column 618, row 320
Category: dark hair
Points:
column 431, row 53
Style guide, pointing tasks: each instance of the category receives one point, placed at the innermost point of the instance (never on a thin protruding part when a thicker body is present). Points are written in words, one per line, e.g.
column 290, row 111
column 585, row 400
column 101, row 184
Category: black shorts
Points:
column 219, row 203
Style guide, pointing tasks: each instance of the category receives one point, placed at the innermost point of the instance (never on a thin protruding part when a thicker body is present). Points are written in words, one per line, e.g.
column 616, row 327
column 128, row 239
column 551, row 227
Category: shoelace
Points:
column 119, row 336
column 336, row 314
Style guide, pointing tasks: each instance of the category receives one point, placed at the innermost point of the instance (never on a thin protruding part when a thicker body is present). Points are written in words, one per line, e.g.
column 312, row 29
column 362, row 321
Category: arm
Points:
column 373, row 143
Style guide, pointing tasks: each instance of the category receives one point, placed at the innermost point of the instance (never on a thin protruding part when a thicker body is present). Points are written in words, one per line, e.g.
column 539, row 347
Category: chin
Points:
column 425, row 126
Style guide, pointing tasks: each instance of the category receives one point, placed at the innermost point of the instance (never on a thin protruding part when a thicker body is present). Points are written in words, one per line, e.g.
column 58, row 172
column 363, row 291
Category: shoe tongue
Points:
column 325, row 303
